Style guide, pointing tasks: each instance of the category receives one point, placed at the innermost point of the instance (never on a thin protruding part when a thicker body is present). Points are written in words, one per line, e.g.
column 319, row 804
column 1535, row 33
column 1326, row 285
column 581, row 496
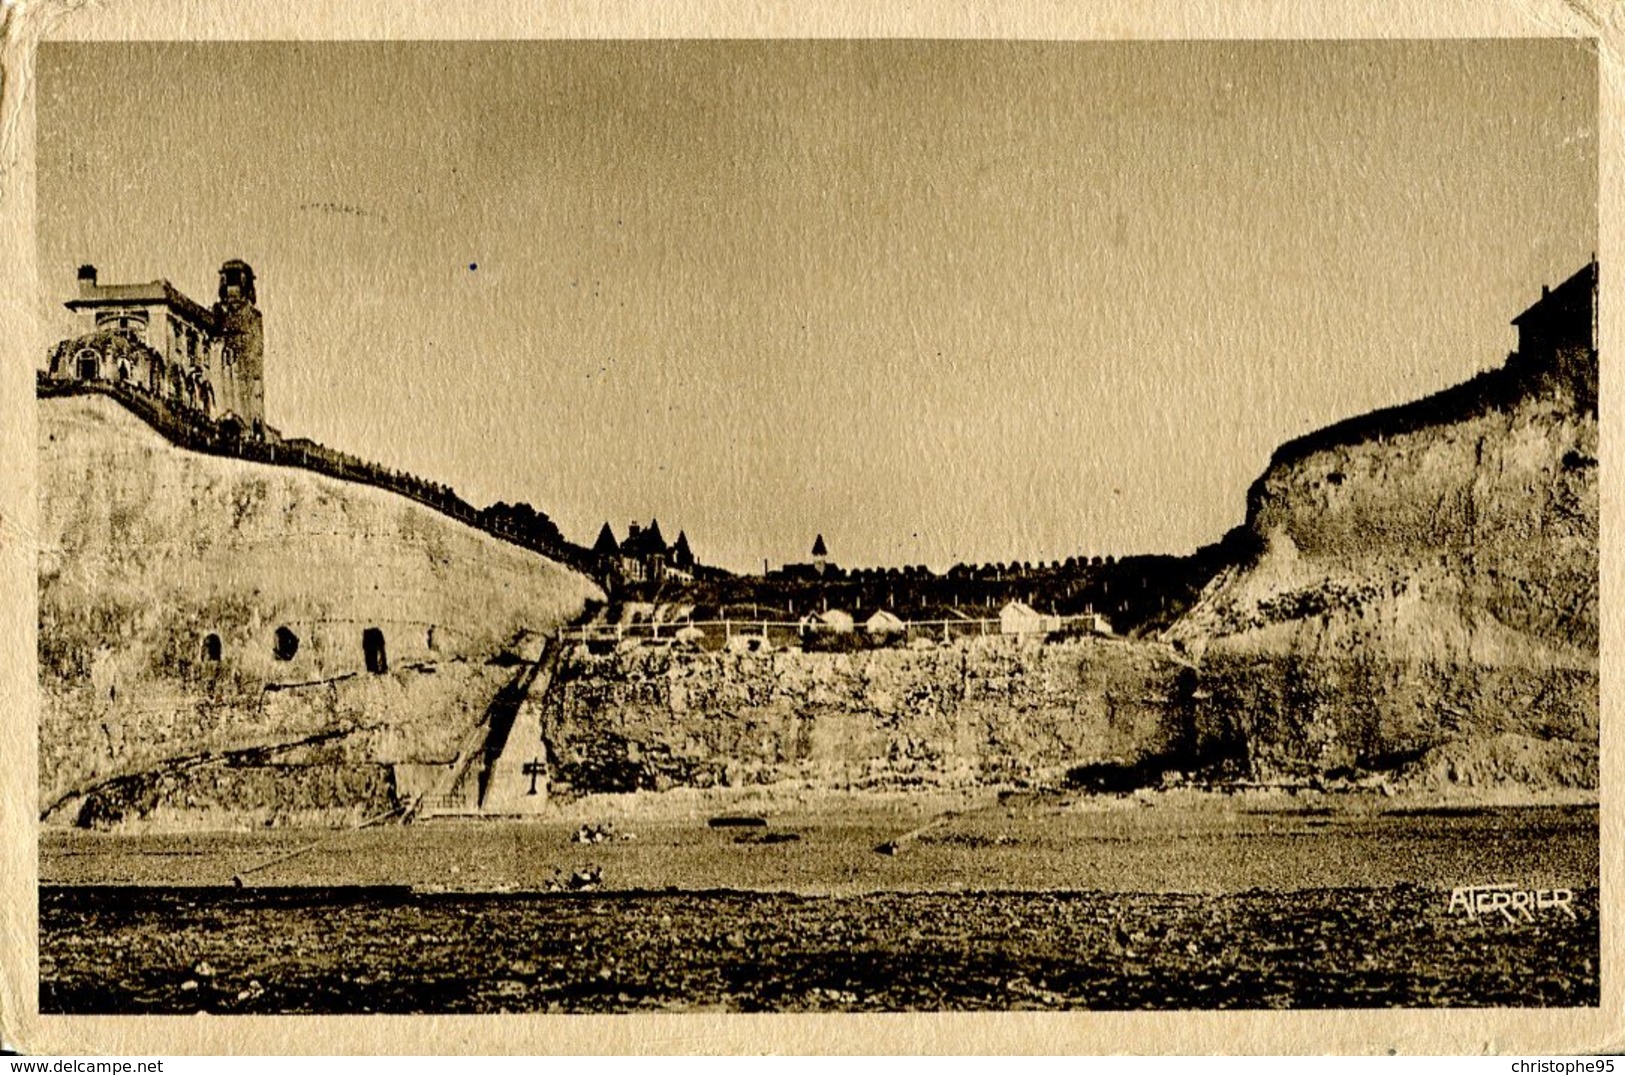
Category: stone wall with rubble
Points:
column 983, row 711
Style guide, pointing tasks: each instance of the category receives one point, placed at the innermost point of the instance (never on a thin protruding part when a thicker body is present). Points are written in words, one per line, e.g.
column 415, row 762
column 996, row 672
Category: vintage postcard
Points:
column 1088, row 531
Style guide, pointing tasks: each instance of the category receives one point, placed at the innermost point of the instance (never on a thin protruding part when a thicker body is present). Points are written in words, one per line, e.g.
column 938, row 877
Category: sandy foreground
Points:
column 1254, row 900
column 1181, row 841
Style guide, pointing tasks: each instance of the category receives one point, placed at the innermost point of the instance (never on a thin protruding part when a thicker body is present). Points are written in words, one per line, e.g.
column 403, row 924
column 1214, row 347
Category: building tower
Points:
column 242, row 346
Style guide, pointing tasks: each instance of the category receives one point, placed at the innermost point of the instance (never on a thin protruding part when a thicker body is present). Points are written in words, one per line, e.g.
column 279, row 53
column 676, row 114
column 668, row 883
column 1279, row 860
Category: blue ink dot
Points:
column 473, row 265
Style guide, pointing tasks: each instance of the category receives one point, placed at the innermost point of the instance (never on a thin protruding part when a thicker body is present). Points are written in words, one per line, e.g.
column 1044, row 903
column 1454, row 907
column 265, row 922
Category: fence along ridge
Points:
column 196, row 432
column 754, row 628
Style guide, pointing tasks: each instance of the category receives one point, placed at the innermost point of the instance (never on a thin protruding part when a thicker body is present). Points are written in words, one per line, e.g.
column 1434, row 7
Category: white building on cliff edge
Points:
column 154, row 339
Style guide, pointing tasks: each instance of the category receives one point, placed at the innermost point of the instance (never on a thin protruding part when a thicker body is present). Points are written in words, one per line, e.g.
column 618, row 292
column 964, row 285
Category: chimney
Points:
column 87, row 281
column 633, row 529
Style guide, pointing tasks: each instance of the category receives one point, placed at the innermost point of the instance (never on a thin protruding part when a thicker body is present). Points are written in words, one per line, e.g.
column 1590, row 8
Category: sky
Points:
column 937, row 301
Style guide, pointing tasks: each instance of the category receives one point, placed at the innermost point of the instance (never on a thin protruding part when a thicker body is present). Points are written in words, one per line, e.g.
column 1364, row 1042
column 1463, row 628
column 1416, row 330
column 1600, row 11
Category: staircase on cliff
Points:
column 500, row 768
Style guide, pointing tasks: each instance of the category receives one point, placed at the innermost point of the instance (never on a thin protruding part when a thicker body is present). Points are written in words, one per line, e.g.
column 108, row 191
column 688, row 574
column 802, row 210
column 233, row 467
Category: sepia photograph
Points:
column 840, row 525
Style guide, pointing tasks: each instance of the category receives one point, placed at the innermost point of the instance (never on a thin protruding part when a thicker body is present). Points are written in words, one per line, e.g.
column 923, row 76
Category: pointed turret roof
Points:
column 819, row 548
column 606, row 545
column 644, row 540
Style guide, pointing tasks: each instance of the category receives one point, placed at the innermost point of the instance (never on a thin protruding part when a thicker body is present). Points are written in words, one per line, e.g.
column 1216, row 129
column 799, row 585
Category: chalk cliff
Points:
column 1414, row 593
column 233, row 636
column 1422, row 590
column 1413, row 596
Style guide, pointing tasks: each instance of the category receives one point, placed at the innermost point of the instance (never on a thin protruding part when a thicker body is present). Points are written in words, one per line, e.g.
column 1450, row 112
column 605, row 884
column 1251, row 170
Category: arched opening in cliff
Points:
column 372, row 645
column 211, row 647
column 287, row 644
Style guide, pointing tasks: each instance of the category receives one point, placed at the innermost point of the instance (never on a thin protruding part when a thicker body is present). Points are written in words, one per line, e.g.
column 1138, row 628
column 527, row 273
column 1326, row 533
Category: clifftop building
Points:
column 1557, row 335
column 818, row 568
column 644, row 556
column 154, row 338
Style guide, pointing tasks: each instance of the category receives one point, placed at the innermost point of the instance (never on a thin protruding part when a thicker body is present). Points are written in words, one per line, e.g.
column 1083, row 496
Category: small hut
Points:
column 885, row 624
column 1020, row 618
column 833, row 621
column 839, row 622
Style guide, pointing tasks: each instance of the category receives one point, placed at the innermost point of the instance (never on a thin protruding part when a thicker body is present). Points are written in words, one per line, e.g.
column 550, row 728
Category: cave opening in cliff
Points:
column 287, row 644
column 372, row 644
column 211, row 647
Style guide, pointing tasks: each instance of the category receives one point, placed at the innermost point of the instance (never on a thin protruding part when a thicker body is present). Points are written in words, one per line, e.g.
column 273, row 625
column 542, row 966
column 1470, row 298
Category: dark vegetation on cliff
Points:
column 1489, row 391
column 1140, row 593
column 1421, row 594
column 191, row 429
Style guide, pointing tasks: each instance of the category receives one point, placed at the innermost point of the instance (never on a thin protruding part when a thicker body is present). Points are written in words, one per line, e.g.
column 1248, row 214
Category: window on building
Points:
column 211, row 647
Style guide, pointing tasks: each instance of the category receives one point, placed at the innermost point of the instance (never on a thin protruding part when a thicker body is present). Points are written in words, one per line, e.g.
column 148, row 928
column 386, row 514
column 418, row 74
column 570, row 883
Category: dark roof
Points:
column 1570, row 290
column 157, row 292
column 646, row 542
column 682, row 555
column 818, row 546
column 606, row 543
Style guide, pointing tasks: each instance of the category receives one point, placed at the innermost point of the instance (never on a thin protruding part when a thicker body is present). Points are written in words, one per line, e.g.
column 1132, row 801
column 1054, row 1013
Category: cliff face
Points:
column 974, row 712
column 1424, row 578
column 1415, row 594
column 261, row 616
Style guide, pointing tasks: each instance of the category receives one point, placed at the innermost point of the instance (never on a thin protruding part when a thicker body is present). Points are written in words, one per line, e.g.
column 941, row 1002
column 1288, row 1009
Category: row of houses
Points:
column 664, row 624
column 1015, row 618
